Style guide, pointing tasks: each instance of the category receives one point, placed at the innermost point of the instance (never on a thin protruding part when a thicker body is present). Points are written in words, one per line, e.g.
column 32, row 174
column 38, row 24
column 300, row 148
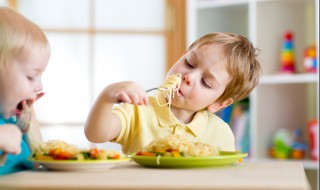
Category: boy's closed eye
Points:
column 30, row 78
column 205, row 83
column 189, row 65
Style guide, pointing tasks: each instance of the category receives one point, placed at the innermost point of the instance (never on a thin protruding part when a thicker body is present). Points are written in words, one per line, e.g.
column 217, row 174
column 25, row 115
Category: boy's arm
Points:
column 102, row 125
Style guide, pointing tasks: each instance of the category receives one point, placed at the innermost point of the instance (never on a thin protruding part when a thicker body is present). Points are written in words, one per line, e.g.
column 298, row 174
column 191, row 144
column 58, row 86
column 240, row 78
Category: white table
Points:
column 246, row 175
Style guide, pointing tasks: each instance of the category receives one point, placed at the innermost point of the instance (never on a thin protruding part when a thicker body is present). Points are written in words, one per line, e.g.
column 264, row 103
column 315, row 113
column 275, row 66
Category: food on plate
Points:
column 178, row 146
column 60, row 150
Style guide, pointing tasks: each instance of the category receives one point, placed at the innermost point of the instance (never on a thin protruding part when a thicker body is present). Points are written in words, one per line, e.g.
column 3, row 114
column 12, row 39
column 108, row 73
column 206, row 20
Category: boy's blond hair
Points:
column 242, row 63
column 19, row 36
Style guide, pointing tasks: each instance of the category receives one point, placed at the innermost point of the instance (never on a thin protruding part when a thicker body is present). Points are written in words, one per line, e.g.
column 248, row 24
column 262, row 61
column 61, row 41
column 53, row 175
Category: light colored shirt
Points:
column 143, row 124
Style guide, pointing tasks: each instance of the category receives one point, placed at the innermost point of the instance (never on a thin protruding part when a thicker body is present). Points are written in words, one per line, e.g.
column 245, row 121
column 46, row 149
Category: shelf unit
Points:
column 280, row 100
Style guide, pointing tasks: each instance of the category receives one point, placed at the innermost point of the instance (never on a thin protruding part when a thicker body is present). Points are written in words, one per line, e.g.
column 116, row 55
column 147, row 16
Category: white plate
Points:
column 74, row 165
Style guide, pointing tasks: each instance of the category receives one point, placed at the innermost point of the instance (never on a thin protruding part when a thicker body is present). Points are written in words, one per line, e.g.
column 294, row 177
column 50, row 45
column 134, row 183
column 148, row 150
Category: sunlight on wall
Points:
column 3, row 3
column 84, row 62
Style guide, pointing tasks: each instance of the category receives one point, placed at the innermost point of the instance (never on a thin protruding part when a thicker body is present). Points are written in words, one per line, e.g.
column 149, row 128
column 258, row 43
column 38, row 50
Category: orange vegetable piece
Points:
column 58, row 154
column 43, row 157
column 162, row 151
column 94, row 152
column 117, row 156
column 176, row 153
column 148, row 154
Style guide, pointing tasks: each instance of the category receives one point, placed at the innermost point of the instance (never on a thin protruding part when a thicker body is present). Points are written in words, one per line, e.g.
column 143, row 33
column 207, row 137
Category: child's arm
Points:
column 102, row 125
column 10, row 139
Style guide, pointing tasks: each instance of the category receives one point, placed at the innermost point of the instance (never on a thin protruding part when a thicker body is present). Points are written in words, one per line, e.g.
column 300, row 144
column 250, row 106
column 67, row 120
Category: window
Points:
column 95, row 43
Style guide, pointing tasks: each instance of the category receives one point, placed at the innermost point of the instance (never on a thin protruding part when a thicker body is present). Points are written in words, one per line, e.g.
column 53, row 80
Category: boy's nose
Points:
column 187, row 79
column 38, row 87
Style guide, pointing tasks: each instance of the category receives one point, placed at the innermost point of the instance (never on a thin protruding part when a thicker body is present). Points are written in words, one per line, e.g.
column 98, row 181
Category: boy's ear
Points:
column 219, row 105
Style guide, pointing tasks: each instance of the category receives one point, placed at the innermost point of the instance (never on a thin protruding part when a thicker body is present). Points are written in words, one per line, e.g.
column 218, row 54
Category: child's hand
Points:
column 10, row 139
column 27, row 104
column 126, row 92
column 25, row 115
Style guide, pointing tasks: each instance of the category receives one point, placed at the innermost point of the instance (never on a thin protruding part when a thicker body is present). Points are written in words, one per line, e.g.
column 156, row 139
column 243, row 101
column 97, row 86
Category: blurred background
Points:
column 98, row 42
column 95, row 43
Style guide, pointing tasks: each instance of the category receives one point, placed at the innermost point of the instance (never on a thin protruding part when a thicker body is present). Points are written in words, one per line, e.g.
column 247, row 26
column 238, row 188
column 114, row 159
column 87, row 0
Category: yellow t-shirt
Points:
column 142, row 124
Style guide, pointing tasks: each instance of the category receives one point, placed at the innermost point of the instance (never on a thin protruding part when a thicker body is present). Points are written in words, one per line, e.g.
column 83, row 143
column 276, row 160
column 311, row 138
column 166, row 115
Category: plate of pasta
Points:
column 59, row 155
column 224, row 159
column 176, row 151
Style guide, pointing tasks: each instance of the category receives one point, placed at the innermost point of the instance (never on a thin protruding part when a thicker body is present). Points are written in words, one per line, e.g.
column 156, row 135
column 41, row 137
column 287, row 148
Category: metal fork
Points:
column 151, row 89
column 24, row 123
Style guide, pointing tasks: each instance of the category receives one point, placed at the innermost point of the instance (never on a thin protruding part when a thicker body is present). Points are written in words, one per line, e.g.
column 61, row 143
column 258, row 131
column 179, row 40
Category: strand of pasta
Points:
column 169, row 87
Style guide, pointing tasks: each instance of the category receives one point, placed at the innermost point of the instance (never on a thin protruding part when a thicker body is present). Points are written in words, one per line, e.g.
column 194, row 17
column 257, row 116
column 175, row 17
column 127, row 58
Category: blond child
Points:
column 24, row 54
column 217, row 70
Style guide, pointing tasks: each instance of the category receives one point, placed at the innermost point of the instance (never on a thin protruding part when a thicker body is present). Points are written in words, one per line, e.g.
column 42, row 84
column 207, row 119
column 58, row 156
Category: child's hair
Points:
column 242, row 63
column 19, row 36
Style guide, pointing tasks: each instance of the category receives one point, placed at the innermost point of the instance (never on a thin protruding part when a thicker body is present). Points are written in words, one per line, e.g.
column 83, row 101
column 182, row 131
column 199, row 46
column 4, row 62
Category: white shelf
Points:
column 310, row 164
column 280, row 100
column 289, row 79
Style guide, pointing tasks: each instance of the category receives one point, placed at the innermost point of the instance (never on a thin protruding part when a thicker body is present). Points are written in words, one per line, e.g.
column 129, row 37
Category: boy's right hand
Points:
column 10, row 139
column 126, row 92
column 102, row 125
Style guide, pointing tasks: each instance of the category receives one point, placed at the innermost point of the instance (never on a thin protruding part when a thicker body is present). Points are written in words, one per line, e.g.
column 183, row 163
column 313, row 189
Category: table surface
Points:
column 129, row 175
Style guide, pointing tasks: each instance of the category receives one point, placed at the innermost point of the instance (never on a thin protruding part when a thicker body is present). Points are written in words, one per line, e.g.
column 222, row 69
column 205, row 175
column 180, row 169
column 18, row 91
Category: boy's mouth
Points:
column 19, row 108
column 180, row 93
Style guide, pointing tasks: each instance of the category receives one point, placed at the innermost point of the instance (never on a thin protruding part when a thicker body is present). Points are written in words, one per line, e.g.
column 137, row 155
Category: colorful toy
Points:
column 287, row 54
column 288, row 144
column 282, row 141
column 310, row 59
column 298, row 145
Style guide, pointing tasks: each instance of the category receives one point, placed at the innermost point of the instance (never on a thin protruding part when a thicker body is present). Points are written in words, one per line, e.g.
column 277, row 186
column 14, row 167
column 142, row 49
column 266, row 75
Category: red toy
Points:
column 314, row 139
column 287, row 54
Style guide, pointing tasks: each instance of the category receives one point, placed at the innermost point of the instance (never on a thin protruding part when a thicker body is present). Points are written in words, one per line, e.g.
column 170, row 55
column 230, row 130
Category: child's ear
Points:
column 219, row 105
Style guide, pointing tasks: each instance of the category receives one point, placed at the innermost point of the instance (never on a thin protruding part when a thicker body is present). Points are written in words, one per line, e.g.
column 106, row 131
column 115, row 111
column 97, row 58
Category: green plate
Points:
column 224, row 159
